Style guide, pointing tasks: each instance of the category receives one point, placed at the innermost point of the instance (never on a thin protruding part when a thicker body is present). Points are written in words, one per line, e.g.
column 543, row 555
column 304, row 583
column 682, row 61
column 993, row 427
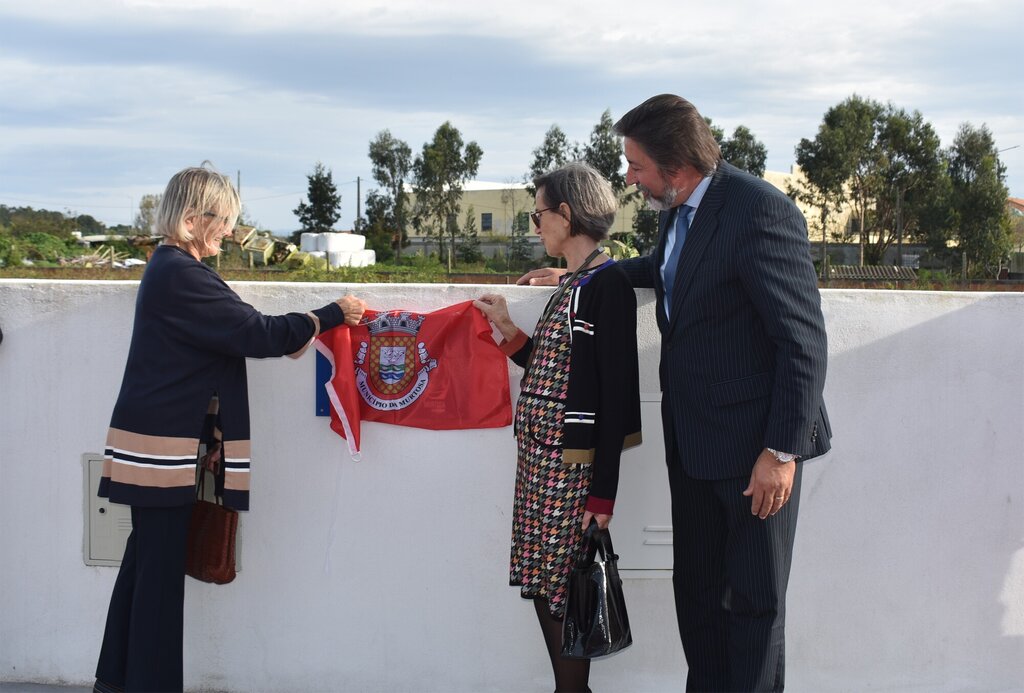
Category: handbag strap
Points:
column 564, row 286
column 595, row 540
column 556, row 297
column 201, row 486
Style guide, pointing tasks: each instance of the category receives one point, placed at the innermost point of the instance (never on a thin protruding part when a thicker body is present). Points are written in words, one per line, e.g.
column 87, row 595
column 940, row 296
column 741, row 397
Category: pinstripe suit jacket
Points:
column 743, row 354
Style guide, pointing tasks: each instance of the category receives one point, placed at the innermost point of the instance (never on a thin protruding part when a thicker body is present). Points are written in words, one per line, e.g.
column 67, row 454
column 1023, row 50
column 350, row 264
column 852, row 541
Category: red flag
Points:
column 439, row 370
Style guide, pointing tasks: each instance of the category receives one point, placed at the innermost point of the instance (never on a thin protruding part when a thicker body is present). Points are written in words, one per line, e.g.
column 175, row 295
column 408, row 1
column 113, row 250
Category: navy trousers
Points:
column 730, row 572
column 142, row 643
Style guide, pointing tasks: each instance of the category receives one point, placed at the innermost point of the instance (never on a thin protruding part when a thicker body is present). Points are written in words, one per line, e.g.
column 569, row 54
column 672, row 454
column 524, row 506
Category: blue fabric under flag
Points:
column 323, row 374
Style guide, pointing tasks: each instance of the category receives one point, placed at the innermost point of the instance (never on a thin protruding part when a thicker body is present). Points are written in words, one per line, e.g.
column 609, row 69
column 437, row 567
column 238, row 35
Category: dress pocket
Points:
column 540, row 420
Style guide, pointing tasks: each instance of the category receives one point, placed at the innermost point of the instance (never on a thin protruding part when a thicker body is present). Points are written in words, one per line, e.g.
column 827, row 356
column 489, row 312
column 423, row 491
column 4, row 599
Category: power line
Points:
column 62, row 204
column 301, row 192
column 271, row 197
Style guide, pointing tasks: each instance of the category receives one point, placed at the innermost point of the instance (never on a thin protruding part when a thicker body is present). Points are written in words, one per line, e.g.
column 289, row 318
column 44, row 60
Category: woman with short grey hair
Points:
column 586, row 192
column 579, row 402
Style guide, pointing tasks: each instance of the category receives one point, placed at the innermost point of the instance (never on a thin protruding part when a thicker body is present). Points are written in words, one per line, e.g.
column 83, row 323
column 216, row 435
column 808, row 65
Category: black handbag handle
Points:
column 201, row 485
column 595, row 540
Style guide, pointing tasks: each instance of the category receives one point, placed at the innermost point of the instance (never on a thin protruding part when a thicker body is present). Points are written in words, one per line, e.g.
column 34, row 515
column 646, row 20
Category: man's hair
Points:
column 587, row 193
column 673, row 133
column 193, row 192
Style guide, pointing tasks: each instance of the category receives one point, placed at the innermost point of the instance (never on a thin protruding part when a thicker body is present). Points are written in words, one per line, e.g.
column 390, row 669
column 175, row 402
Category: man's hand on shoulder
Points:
column 545, row 276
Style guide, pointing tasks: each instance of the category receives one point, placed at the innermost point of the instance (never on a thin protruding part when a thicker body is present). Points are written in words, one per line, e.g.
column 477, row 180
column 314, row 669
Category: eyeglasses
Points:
column 211, row 215
column 536, row 215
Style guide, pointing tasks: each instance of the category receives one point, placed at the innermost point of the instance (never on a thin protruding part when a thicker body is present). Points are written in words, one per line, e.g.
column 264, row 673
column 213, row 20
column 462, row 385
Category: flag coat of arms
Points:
column 439, row 370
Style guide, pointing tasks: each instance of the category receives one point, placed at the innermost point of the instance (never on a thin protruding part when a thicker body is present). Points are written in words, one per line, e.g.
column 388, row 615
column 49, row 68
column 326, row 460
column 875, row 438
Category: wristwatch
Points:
column 782, row 457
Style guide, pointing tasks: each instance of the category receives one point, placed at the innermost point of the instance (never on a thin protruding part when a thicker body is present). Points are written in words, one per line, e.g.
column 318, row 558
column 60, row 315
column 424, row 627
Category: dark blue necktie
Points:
column 682, row 223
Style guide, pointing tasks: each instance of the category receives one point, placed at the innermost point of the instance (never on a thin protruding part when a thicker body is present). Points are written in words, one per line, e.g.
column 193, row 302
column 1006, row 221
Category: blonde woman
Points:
column 184, row 385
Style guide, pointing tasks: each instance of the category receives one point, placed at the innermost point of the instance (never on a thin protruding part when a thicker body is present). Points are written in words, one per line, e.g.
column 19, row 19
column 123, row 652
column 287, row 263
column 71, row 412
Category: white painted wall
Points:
column 909, row 568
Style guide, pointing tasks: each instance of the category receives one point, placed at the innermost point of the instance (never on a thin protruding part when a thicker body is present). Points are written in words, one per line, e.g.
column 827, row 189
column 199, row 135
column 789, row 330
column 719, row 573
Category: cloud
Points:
column 118, row 94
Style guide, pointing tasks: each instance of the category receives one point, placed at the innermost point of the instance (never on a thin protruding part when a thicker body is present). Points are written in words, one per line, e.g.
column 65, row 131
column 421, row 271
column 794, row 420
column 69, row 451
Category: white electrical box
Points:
column 107, row 525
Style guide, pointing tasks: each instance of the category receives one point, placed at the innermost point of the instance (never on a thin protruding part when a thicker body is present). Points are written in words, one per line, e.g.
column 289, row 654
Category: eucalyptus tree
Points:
column 884, row 162
column 981, row 222
column 845, row 155
column 645, row 229
column 382, row 233
column 440, row 171
column 145, row 218
column 822, row 187
column 553, row 152
column 391, row 162
column 717, row 132
column 518, row 251
column 913, row 183
column 604, row 152
column 744, row 151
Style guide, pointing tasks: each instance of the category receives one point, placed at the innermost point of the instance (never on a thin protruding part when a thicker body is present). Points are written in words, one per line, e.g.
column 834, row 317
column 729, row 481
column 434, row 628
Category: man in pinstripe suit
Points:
column 743, row 356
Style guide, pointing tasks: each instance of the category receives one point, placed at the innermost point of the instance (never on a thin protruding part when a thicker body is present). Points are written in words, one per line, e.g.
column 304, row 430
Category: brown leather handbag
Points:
column 210, row 551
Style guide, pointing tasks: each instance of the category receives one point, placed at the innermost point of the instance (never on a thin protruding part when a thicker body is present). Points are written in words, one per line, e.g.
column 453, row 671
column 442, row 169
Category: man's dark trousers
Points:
column 733, row 632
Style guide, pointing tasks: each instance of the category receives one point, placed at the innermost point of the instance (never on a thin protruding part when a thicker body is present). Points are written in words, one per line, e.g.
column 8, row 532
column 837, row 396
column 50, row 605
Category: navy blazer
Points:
column 744, row 352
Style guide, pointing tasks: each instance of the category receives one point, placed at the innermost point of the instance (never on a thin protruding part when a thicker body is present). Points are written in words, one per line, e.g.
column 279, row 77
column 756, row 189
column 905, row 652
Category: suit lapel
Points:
column 705, row 224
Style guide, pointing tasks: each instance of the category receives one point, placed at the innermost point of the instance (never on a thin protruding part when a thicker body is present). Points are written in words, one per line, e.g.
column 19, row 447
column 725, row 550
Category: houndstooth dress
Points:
column 550, row 495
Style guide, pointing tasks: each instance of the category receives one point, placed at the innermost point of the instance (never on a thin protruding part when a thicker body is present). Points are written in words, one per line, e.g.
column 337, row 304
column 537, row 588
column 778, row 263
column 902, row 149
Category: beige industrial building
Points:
column 496, row 205
column 495, row 208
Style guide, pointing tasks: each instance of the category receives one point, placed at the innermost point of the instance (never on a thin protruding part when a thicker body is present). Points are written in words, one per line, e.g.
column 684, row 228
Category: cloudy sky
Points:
column 102, row 101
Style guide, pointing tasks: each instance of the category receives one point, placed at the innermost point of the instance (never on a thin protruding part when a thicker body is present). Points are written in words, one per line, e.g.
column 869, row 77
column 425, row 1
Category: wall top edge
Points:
column 393, row 286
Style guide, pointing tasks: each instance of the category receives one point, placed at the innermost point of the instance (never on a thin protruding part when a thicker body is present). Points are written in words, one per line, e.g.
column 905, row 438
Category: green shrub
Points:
column 43, row 246
column 619, row 250
column 934, row 279
column 126, row 249
column 498, row 263
column 10, row 253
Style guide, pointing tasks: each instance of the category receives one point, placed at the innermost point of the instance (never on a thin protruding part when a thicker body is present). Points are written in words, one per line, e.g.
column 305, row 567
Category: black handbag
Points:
column 596, row 623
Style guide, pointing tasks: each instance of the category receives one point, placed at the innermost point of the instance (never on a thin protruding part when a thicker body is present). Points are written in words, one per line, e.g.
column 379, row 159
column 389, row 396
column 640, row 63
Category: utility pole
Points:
column 359, row 202
column 899, row 227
